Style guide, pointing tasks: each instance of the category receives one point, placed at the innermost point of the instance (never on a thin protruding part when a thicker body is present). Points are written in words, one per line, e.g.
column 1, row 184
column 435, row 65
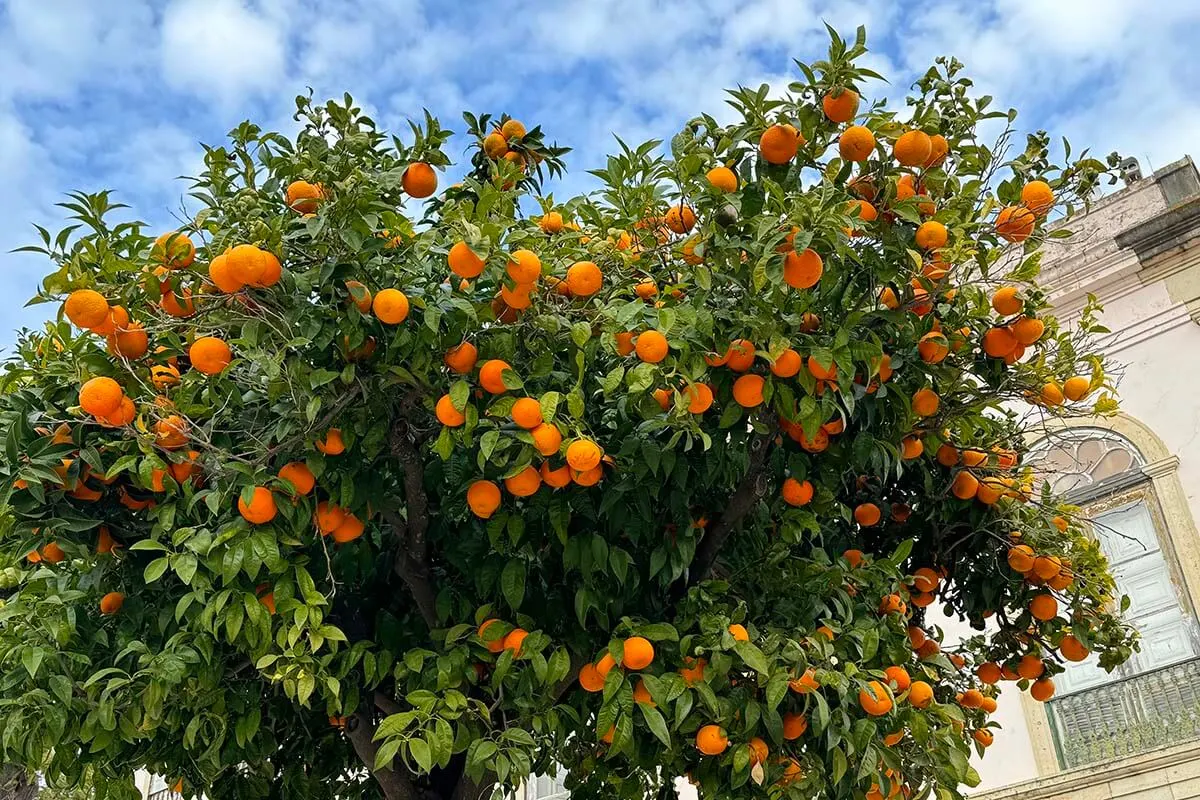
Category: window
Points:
column 544, row 787
column 1096, row 714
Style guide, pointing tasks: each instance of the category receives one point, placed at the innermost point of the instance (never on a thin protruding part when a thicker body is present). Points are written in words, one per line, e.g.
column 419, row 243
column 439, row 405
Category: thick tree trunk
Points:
column 14, row 785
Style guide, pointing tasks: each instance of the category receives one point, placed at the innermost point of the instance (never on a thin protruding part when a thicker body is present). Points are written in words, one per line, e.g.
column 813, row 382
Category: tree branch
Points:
column 412, row 555
column 747, row 494
column 386, row 704
column 395, row 785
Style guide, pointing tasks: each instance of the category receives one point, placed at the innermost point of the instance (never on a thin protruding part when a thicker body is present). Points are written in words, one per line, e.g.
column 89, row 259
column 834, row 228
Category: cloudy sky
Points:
column 117, row 94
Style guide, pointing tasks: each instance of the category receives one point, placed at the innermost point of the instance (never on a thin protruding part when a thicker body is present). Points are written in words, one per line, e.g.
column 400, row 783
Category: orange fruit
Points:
column 1072, row 649
column 590, row 678
column 933, row 347
column 805, row 683
column 651, row 346
column 664, row 398
column 1076, row 388
column 52, row 553
column 483, row 497
column 271, row 273
column 303, row 196
column 1021, row 558
column 866, row 212
column 1051, row 395
column 463, row 261
column 178, row 305
column 999, row 342
column 739, row 632
column 174, row 250
column 584, row 278
column 788, row 364
column 624, row 342
column 118, row 318
column 646, row 289
column 170, row 433
column 105, row 543
column 129, row 341
column 925, row 579
column 911, row 447
column 638, row 653
column 856, row 143
column 513, row 129
column 892, row 604
column 740, row 356
column 514, row 639
column 874, row 699
column 583, row 454
column 299, row 475
column 931, row 235
column 748, row 390
column 913, row 148
column 758, row 750
column 461, row 358
column 101, row 396
column 495, row 145
column 711, row 740
column 524, row 483
column 1042, row 690
column 419, row 180
column 867, row 514
column 524, row 266
column 820, row 372
column 1015, row 223
column 220, row 272
column 699, row 397
column 494, row 645
column 350, row 529
column 888, row 299
column 920, row 694
column 971, row 698
column 1028, row 330
column 680, row 218
column 1006, row 302
column 447, row 414
column 938, row 149
column 965, row 485
column 792, row 771
column 988, row 673
column 898, row 676
column 853, row 558
column 693, row 670
column 332, row 443
column 1043, row 607
column 247, row 264
column 86, row 308
column 587, row 477
column 555, row 478
column 802, row 270
column 1030, row 667
column 261, row 508
column 1038, row 197
column 546, row 437
column 111, row 603
column 779, row 143
column 925, row 402
column 840, row 105
column 796, row 493
column 794, row 725
column 527, row 413
column 1047, row 567
column 722, row 178
column 210, row 355
column 390, row 306
column 491, row 376
column 551, row 222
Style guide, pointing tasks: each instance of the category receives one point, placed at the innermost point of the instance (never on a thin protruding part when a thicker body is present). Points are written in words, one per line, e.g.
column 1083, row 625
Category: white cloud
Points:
column 221, row 49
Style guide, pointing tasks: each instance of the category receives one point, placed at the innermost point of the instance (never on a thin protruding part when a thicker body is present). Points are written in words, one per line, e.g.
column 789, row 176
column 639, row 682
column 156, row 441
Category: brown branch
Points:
column 749, row 491
column 412, row 555
column 386, row 704
column 395, row 785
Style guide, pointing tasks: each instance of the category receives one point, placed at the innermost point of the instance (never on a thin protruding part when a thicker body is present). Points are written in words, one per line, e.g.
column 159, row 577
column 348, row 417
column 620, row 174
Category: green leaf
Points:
column 155, row 569
column 581, row 333
column 31, row 659
column 512, row 583
column 753, row 657
column 658, row 632
column 419, row 750
column 655, row 722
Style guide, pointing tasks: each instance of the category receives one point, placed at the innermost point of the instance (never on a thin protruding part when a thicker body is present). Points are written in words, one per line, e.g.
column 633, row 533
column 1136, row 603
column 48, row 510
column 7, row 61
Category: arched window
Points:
column 1096, row 714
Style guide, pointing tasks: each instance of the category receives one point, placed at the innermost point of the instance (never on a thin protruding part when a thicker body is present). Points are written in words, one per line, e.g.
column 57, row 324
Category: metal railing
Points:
column 1128, row 716
column 165, row 794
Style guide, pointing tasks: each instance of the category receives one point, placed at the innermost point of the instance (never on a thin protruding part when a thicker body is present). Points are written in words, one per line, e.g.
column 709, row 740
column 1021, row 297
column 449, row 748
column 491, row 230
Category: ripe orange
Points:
column 1047, row 567
column 758, row 750
column 1028, row 330
column 638, row 653
column 524, row 483
column 925, row 579
column 513, row 129
column 939, row 147
column 220, row 272
column 1076, row 388
column 527, row 413
column 491, row 376
column 740, row 356
column 52, row 553
column 390, row 306
column 693, row 670
column 447, row 414
column 101, row 396
column 867, row 514
column 664, row 398
column 1072, row 649
column 1051, row 395
column 711, row 740
column 1042, row 690
column 551, row 222
column 524, row 266
column 1006, row 302
column 105, row 543
column 913, row 148
column 461, row 358
column 118, row 318
column 546, row 438
column 86, row 308
column 583, row 455
column 965, row 485
column 999, row 342
column 170, row 433
column 261, row 508
column 898, row 676
column 495, row 145
column 514, row 639
column 1061, row 523
column 874, row 699
column 796, row 493
column 272, row 271
column 1021, row 558
column 748, row 390
column 463, row 261
column 303, row 196
column 555, row 478
column 931, row 235
column 210, row 355
column 911, row 447
column 699, row 397
column 174, row 250
column 587, row 477
column 350, row 529
column 805, row 683
column 933, row 347
column 651, row 346
column 840, row 105
column 680, row 218
column 584, row 278
column 1043, row 607
column 794, row 725
column 178, row 305
column 779, row 143
column 624, row 342
column 788, row 364
column 483, row 497
column 1015, row 223
column 1030, row 667
column 888, row 299
column 299, row 475
column 590, row 678
column 866, row 211
column 332, row 444
column 989, row 673
column 111, row 603
column 1038, row 197
column 802, row 270
column 820, row 372
column 925, row 402
column 920, row 694
column 856, row 143
column 419, row 181
column 247, row 264
column 739, row 632
column 722, row 178
column 129, row 341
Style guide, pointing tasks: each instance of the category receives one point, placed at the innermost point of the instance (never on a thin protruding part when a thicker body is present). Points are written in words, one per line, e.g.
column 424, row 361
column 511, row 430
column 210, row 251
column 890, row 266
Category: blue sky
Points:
column 117, row 94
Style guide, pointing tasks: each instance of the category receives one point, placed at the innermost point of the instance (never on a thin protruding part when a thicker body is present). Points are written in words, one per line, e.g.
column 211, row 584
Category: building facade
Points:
column 1135, row 733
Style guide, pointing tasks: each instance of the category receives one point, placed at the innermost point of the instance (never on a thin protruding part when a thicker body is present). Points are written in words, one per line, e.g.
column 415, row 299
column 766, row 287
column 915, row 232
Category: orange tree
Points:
column 335, row 492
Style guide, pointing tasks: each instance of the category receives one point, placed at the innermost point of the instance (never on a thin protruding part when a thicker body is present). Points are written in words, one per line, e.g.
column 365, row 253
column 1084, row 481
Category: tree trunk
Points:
column 14, row 785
